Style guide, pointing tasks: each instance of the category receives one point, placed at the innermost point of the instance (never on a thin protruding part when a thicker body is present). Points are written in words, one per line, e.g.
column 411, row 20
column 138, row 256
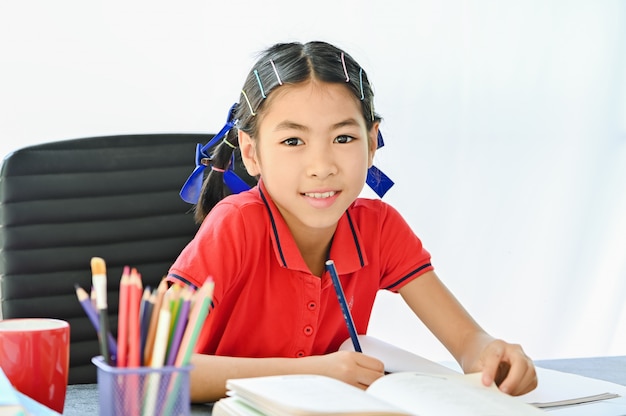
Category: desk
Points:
column 82, row 399
column 611, row 369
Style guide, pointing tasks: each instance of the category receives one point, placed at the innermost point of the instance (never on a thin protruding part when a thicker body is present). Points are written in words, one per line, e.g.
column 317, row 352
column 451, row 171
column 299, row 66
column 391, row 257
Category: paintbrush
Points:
column 99, row 280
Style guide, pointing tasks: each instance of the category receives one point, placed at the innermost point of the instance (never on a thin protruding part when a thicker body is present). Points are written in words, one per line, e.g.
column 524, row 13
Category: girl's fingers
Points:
column 509, row 367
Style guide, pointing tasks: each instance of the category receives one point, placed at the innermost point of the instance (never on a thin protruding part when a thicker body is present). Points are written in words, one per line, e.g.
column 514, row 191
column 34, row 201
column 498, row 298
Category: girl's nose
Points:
column 320, row 162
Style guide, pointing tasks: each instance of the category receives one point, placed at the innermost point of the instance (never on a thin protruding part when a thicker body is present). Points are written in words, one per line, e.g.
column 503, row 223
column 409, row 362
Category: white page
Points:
column 556, row 386
column 553, row 385
column 396, row 359
column 436, row 395
column 307, row 393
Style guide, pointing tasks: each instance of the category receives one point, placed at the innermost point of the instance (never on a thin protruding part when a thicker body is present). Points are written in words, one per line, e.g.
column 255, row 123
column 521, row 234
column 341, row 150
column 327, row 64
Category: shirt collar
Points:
column 347, row 249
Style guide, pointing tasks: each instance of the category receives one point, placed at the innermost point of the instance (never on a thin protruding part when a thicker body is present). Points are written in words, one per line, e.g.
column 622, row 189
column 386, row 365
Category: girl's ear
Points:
column 372, row 136
column 248, row 153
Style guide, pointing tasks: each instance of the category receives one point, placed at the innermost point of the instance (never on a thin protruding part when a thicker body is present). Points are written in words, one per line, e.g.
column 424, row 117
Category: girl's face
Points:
column 312, row 151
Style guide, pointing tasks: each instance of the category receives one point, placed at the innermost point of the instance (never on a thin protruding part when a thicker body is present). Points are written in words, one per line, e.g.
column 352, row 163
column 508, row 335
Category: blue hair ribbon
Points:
column 376, row 179
column 192, row 188
column 232, row 180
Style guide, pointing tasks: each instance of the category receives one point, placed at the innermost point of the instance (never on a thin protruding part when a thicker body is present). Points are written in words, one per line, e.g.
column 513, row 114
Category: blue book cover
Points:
column 10, row 403
column 34, row 408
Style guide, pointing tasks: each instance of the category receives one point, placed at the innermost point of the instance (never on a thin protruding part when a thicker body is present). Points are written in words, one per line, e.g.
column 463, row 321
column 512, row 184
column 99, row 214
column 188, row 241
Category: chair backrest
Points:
column 64, row 202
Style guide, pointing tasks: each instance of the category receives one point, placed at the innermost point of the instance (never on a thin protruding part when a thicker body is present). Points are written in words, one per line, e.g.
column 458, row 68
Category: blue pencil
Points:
column 330, row 266
column 92, row 314
column 145, row 313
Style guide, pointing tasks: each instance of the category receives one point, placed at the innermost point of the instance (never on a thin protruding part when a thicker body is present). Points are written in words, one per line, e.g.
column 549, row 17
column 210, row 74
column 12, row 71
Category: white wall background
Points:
column 505, row 125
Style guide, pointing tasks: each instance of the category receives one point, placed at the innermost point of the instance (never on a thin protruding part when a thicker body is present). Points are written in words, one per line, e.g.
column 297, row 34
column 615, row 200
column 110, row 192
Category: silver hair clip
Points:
column 258, row 80
column 363, row 94
column 248, row 101
column 276, row 72
column 345, row 70
column 361, row 82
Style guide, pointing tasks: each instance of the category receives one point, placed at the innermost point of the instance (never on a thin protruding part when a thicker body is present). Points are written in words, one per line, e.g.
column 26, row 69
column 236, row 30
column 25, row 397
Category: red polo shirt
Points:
column 266, row 303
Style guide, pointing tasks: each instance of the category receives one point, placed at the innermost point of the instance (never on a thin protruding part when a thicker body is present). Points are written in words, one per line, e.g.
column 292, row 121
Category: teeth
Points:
column 320, row 195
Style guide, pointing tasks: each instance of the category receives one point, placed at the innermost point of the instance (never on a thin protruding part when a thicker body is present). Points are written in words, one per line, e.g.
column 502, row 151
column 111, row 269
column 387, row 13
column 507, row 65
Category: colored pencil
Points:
column 347, row 316
column 85, row 301
column 126, row 398
column 122, row 320
column 99, row 280
column 160, row 293
column 175, row 303
column 158, row 359
column 161, row 337
column 145, row 313
column 134, row 337
column 180, row 324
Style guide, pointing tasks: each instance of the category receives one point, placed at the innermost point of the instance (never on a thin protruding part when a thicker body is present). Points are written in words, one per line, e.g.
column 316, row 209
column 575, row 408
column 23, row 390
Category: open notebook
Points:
column 397, row 394
column 415, row 385
column 555, row 388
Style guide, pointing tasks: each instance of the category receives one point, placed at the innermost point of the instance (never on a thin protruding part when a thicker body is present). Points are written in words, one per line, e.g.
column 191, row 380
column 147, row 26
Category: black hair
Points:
column 282, row 64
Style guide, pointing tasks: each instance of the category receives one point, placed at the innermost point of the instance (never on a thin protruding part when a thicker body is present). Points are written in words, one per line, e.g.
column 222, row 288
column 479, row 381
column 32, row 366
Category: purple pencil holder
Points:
column 142, row 390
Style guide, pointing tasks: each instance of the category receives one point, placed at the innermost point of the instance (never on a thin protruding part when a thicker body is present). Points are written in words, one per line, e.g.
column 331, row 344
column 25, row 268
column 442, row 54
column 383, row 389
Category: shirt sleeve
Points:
column 405, row 258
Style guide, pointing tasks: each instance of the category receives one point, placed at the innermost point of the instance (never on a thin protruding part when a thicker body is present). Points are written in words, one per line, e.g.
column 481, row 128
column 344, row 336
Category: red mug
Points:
column 35, row 355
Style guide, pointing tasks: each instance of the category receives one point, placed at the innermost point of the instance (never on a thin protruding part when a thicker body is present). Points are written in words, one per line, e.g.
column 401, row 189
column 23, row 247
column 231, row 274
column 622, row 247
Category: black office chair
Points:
column 64, row 202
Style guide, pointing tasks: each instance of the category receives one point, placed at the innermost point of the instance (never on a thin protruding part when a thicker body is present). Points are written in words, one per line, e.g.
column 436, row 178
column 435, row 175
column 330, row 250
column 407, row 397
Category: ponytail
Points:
column 220, row 155
column 214, row 188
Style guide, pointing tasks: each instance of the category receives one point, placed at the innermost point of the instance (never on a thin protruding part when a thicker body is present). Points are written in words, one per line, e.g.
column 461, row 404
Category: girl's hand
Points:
column 508, row 366
column 351, row 367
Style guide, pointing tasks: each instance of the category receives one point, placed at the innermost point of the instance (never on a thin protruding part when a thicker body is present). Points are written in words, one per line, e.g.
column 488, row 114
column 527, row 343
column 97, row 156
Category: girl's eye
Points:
column 292, row 141
column 344, row 139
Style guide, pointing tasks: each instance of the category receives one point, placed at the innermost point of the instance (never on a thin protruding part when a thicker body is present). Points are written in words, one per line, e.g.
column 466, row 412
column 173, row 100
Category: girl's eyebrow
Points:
column 350, row 122
column 292, row 125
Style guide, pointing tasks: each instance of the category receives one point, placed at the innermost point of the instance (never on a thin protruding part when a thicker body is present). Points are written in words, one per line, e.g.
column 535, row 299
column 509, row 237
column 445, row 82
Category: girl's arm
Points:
column 210, row 372
column 469, row 344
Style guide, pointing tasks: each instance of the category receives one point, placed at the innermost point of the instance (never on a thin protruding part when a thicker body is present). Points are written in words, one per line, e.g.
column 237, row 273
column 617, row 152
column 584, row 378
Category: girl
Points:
column 305, row 126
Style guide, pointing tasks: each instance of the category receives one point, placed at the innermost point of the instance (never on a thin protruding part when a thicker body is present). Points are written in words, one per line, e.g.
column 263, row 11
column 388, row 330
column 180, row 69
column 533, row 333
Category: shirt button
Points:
column 311, row 305
column 308, row 330
column 300, row 354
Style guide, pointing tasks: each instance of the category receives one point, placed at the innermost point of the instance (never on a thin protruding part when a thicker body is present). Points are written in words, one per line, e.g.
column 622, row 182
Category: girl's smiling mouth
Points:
column 321, row 200
column 320, row 195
